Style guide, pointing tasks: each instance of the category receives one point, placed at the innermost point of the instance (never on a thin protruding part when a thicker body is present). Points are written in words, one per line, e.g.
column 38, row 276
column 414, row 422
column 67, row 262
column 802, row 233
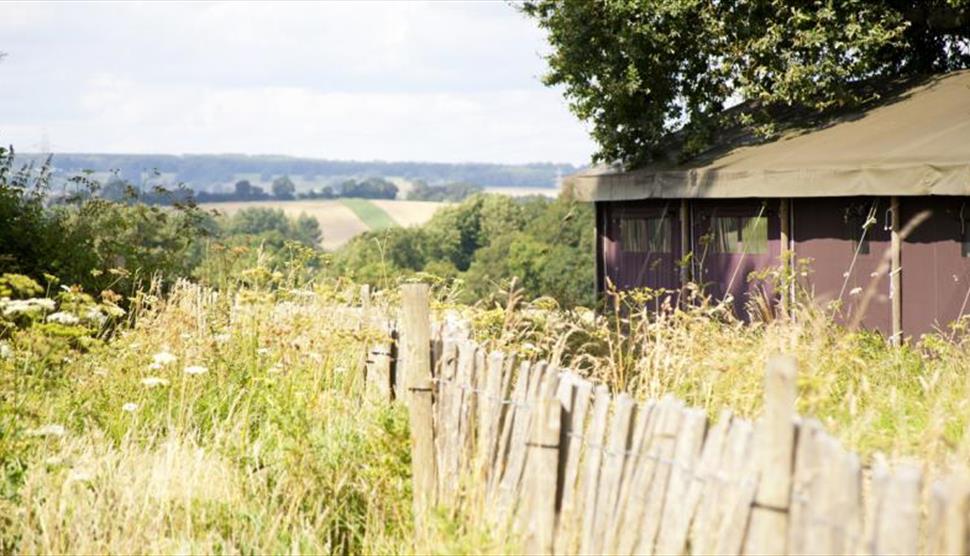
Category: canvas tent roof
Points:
column 915, row 143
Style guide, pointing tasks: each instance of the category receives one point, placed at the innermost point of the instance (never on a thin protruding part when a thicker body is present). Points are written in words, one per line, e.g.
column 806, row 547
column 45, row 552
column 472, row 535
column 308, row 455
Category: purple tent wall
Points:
column 628, row 270
column 823, row 234
column 935, row 271
column 723, row 273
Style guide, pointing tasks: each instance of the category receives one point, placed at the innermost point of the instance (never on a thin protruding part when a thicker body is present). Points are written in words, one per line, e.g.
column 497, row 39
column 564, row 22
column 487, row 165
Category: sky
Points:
column 429, row 81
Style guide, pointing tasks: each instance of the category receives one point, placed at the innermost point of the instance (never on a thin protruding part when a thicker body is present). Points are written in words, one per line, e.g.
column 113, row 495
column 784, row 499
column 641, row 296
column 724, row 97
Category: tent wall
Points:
column 640, row 244
column 935, row 264
column 843, row 256
column 843, row 239
column 733, row 238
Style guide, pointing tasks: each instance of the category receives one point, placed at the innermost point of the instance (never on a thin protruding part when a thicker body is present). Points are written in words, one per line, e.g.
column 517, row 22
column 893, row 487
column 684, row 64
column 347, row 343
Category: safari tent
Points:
column 839, row 194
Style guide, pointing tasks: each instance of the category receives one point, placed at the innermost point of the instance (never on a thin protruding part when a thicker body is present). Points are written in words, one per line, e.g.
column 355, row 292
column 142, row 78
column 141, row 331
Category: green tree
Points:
column 283, row 188
column 637, row 70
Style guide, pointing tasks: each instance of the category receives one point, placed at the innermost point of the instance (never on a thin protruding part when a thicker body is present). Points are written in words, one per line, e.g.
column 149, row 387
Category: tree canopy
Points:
column 638, row 70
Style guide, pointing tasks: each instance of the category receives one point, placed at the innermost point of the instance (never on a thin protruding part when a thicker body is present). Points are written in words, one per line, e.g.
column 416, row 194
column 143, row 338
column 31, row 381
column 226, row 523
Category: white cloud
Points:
column 430, row 81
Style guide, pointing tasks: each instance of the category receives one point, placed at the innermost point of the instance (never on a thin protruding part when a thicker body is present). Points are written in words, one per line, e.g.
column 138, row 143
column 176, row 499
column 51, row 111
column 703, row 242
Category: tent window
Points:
column 645, row 235
column 740, row 234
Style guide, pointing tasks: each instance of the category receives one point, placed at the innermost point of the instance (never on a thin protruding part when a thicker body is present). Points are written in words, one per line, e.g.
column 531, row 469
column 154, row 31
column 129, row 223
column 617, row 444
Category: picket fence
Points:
column 565, row 467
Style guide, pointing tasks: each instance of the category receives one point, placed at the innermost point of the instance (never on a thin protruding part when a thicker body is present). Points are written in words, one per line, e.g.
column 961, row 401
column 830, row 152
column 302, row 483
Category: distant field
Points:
column 375, row 217
column 341, row 220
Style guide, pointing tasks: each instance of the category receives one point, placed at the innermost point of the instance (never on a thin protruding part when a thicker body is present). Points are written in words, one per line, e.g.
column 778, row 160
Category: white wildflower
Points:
column 155, row 366
column 196, row 370
column 163, row 358
column 17, row 307
column 153, row 381
column 221, row 338
column 262, row 351
column 6, row 352
column 48, row 430
column 130, row 407
column 855, row 291
column 95, row 316
column 79, row 476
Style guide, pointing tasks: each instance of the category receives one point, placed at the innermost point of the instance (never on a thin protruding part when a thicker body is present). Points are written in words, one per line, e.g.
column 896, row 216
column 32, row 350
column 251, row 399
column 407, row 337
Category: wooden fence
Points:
column 564, row 466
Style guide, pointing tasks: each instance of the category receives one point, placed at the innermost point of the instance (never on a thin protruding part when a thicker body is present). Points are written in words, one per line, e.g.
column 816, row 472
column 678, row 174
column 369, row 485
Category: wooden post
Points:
column 684, row 240
column 774, row 450
column 544, row 470
column 416, row 332
column 896, row 275
column 785, row 240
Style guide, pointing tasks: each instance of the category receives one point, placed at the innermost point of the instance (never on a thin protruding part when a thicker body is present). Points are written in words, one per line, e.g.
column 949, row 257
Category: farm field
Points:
column 342, row 219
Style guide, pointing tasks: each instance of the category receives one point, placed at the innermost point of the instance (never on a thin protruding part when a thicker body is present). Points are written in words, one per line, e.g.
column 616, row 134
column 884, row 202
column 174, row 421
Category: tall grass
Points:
column 912, row 401
column 265, row 445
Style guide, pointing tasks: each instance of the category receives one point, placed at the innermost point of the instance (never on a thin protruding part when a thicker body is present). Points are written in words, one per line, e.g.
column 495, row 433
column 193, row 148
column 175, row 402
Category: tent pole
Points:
column 684, row 241
column 783, row 212
column 895, row 274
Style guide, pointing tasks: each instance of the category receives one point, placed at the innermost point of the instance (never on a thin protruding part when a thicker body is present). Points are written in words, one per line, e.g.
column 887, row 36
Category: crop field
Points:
column 342, row 219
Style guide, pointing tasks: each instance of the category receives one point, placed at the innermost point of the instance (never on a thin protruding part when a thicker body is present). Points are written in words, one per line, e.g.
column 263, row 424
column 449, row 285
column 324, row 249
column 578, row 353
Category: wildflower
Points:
column 855, row 291
column 196, row 370
column 130, row 407
column 262, row 351
column 48, row 430
column 5, row 351
column 164, row 358
column 221, row 338
column 154, row 366
column 80, row 476
column 153, row 381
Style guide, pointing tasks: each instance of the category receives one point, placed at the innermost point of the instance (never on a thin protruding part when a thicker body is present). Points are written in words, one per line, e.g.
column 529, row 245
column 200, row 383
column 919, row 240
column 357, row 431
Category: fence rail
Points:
column 567, row 467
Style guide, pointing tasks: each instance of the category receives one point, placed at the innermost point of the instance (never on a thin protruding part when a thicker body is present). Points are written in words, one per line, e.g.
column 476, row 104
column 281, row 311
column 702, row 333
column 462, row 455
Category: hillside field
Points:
column 342, row 219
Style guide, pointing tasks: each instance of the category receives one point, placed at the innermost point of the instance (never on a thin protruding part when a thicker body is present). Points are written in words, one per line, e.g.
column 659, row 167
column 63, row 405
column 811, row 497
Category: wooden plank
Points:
column 728, row 496
column 947, row 523
column 512, row 475
column 490, row 413
column 675, row 522
column 543, row 480
column 702, row 486
column 629, row 501
column 840, row 494
column 446, row 421
column 664, row 452
column 516, row 399
column 896, row 529
column 802, row 535
column 774, row 452
column 465, row 379
column 416, row 332
column 633, row 504
column 611, row 476
column 572, row 435
column 595, row 442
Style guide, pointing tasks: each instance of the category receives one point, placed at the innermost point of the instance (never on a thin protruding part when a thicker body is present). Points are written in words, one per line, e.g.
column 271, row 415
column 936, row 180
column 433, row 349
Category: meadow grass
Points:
column 213, row 425
column 374, row 216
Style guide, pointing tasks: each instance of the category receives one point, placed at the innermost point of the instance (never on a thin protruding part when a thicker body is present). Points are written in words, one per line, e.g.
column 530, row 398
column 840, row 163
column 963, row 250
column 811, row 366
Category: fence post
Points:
column 416, row 336
column 543, row 479
column 775, row 446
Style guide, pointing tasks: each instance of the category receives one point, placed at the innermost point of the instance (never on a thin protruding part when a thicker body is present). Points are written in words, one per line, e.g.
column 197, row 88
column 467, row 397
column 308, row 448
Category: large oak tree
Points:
column 637, row 70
